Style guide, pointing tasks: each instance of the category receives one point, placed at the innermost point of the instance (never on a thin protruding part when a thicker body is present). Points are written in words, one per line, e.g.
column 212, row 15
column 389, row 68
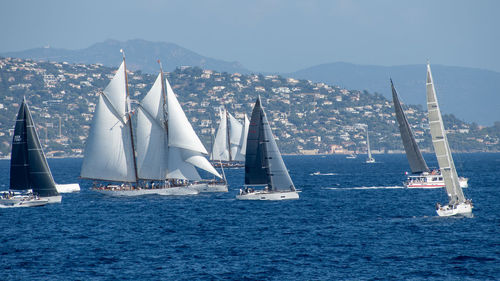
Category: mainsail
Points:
column 109, row 154
column 413, row 154
column 263, row 162
column 441, row 146
column 235, row 134
column 29, row 167
column 368, row 144
column 244, row 135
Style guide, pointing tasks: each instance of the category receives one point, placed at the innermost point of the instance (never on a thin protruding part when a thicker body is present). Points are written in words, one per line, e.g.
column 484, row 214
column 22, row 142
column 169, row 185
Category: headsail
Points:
column 263, row 163
column 279, row 179
column 108, row 152
column 152, row 140
column 413, row 154
column 220, row 146
column 235, row 134
column 244, row 135
column 41, row 180
column 441, row 146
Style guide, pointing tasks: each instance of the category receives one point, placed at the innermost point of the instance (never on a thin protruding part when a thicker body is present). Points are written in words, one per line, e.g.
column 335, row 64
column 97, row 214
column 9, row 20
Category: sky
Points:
column 270, row 35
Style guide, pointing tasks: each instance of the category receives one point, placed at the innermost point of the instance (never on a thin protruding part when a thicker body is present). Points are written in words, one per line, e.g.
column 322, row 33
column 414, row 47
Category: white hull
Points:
column 207, row 187
column 68, row 188
column 266, row 195
column 169, row 191
column 460, row 209
column 22, row 201
column 370, row 160
column 431, row 182
column 53, row 199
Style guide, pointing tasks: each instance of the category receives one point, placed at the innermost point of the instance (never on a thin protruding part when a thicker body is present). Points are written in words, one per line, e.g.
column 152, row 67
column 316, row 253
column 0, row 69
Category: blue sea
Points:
column 354, row 221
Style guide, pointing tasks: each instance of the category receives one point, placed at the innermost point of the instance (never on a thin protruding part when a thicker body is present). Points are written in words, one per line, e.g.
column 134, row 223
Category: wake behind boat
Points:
column 457, row 204
column 31, row 181
column 263, row 163
column 422, row 176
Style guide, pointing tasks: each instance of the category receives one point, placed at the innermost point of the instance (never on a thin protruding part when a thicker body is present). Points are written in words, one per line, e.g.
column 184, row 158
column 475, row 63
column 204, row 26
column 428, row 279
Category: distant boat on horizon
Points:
column 264, row 165
column 31, row 181
column 370, row 159
column 458, row 204
column 228, row 149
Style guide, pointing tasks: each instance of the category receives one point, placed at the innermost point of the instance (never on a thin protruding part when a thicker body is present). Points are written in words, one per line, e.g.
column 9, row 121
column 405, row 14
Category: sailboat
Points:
column 229, row 146
column 31, row 182
column 457, row 204
column 422, row 176
column 263, row 163
column 167, row 146
column 112, row 156
column 370, row 159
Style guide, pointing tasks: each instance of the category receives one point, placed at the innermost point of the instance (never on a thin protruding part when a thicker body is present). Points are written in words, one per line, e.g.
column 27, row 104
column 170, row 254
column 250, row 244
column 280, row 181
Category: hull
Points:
column 228, row 165
column 53, row 199
column 271, row 196
column 370, row 160
column 22, row 201
column 210, row 187
column 431, row 182
column 169, row 191
column 462, row 209
column 68, row 188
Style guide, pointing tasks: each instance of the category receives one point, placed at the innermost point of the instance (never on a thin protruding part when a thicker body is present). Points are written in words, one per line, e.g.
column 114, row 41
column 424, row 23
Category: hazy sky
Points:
column 270, row 35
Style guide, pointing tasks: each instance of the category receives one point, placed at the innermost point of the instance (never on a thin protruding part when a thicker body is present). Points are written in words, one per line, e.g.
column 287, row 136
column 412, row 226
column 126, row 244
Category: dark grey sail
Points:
column 19, row 169
column 413, row 154
column 263, row 162
column 41, row 179
column 255, row 168
column 278, row 177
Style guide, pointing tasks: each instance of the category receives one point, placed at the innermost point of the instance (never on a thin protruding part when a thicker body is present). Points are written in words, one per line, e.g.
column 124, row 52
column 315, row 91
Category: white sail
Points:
column 178, row 168
column 244, row 135
column 219, row 149
column 151, row 135
column 235, row 132
column 199, row 161
column 441, row 146
column 181, row 133
column 108, row 151
column 368, row 144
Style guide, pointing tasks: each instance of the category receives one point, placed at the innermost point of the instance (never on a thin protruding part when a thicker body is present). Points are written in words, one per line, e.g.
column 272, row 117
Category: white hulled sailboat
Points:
column 31, row 181
column 229, row 146
column 422, row 176
column 457, row 204
column 370, row 159
column 263, row 163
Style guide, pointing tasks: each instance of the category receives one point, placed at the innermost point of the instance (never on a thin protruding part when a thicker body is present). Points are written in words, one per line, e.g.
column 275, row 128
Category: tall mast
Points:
column 129, row 116
column 165, row 112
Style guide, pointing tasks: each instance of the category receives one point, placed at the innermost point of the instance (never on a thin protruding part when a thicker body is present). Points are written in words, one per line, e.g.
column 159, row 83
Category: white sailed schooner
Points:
column 31, row 181
column 457, row 204
column 422, row 176
column 166, row 151
column 230, row 142
column 263, row 163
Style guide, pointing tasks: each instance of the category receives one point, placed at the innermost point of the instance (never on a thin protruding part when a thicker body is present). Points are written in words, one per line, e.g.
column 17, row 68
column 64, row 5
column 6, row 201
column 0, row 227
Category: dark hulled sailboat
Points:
column 31, row 182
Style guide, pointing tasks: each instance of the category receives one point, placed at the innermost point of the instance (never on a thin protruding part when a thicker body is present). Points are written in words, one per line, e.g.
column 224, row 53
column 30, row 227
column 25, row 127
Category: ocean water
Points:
column 354, row 221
